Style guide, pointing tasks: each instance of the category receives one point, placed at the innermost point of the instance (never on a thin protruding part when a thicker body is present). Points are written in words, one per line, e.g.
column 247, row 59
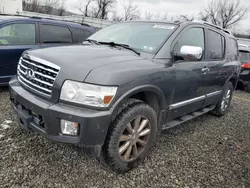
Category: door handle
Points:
column 205, row 69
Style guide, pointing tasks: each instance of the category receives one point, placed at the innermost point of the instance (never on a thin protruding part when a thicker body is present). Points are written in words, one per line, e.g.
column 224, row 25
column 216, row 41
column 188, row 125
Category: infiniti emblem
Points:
column 30, row 74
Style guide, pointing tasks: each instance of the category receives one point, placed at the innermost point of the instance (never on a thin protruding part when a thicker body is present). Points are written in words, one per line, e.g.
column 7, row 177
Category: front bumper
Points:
column 41, row 116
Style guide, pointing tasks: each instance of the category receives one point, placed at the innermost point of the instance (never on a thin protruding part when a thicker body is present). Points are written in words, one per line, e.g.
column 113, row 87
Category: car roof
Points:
column 7, row 18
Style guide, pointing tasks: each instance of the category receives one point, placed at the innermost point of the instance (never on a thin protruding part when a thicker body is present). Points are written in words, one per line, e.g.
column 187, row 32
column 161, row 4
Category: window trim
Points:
column 225, row 45
column 56, row 25
column 178, row 37
column 22, row 22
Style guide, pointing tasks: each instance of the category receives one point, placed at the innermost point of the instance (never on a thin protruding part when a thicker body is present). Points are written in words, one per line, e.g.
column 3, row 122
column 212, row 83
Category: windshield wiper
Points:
column 121, row 45
column 92, row 41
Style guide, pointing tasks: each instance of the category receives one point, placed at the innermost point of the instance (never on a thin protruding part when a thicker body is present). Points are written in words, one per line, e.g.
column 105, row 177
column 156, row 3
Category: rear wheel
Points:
column 130, row 136
column 247, row 87
column 223, row 105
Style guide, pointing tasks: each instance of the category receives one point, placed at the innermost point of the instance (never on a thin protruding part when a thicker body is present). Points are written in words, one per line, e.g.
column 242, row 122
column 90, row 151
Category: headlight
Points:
column 87, row 94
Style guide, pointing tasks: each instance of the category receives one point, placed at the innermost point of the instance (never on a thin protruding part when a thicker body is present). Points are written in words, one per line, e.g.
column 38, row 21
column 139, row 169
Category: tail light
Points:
column 245, row 66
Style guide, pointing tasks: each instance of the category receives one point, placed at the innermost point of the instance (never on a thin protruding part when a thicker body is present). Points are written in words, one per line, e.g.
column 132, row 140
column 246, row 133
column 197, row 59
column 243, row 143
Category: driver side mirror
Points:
column 191, row 53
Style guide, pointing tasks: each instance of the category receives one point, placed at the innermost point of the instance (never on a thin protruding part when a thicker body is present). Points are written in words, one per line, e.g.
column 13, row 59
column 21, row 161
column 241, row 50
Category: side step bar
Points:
column 187, row 117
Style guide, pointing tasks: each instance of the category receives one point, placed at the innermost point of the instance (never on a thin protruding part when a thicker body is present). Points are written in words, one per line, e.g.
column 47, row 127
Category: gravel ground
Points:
column 206, row 152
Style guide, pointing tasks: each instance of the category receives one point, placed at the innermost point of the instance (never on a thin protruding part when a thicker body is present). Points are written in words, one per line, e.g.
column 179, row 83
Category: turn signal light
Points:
column 245, row 66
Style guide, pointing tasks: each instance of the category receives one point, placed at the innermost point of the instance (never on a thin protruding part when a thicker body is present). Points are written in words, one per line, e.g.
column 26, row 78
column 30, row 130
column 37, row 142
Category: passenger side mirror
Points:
column 191, row 53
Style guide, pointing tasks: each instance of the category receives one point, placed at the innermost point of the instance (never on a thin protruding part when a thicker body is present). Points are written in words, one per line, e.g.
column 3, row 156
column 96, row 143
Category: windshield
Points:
column 244, row 56
column 147, row 37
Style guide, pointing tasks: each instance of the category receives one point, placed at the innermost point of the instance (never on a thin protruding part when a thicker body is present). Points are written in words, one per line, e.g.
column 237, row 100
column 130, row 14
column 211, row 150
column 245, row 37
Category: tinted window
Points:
column 18, row 34
column 233, row 49
column 80, row 35
column 244, row 56
column 55, row 34
column 215, row 46
column 192, row 37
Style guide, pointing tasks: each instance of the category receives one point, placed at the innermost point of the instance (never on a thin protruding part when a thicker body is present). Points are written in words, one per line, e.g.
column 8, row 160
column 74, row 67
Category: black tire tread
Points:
column 124, row 108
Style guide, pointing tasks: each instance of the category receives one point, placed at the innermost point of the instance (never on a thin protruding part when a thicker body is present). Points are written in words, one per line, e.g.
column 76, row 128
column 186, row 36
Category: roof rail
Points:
column 244, row 45
column 210, row 24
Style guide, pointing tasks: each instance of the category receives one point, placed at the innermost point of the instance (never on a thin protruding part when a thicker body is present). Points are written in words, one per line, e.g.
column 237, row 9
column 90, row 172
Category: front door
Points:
column 15, row 38
column 189, row 93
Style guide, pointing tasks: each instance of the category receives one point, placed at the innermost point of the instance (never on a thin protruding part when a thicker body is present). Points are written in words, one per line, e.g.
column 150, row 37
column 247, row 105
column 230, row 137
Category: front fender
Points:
column 142, row 88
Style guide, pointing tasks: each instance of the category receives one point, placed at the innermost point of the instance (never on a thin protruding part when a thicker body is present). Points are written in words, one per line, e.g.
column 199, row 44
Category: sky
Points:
column 171, row 7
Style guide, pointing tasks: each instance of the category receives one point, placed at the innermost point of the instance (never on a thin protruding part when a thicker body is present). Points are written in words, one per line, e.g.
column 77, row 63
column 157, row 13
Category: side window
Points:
column 55, row 34
column 215, row 46
column 18, row 34
column 232, row 49
column 191, row 37
column 79, row 35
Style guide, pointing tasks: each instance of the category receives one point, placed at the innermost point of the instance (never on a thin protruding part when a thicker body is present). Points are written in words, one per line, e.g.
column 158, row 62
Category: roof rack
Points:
column 47, row 18
column 244, row 45
column 210, row 24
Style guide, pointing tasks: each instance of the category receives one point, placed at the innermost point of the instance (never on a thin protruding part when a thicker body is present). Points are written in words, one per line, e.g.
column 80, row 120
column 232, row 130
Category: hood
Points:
column 78, row 60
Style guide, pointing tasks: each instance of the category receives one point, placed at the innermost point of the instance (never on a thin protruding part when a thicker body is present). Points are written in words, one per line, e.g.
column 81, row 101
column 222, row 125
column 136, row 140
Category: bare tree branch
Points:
column 49, row 5
column 116, row 18
column 103, row 8
column 225, row 13
column 149, row 15
column 32, row 5
column 131, row 11
column 83, row 7
column 61, row 9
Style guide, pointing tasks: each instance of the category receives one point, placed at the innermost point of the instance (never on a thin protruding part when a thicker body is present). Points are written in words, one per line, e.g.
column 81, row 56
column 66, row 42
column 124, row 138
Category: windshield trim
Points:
column 149, row 22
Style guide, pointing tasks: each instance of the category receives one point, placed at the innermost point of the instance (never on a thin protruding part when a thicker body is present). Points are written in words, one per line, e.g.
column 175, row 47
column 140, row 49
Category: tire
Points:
column 224, row 103
column 121, row 136
column 247, row 88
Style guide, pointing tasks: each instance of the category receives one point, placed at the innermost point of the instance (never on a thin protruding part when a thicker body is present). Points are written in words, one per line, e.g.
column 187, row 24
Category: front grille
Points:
column 37, row 74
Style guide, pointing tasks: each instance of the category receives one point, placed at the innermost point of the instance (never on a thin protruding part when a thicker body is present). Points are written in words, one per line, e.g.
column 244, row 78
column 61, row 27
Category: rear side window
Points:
column 232, row 49
column 79, row 35
column 244, row 56
column 18, row 34
column 215, row 46
column 55, row 34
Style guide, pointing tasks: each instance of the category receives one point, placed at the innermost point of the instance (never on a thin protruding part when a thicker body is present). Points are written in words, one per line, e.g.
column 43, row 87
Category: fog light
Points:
column 69, row 128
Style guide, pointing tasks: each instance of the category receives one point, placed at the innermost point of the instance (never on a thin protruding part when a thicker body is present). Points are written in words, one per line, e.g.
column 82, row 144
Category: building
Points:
column 10, row 6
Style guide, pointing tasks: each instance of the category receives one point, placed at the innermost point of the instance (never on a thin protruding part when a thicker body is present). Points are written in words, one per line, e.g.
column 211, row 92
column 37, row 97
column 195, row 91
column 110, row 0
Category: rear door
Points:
column 54, row 35
column 216, row 76
column 220, row 53
column 189, row 91
column 15, row 38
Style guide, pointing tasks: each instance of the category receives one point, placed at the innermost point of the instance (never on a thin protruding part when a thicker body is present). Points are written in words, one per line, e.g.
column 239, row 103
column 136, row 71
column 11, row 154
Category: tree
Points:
column 32, row 5
column 61, row 9
column 131, row 11
column 83, row 7
column 225, row 13
column 103, row 8
column 184, row 17
column 148, row 15
column 116, row 18
column 49, row 5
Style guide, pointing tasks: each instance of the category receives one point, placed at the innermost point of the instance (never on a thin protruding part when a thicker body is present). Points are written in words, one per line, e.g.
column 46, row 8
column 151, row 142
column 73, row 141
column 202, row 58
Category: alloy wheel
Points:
column 226, row 100
column 134, row 138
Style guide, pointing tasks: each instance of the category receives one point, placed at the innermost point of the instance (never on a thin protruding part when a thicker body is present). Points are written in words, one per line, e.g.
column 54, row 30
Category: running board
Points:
column 187, row 117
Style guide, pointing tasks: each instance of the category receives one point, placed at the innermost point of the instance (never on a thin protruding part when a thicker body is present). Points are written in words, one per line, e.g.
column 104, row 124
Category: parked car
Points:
column 244, row 81
column 18, row 34
column 130, row 80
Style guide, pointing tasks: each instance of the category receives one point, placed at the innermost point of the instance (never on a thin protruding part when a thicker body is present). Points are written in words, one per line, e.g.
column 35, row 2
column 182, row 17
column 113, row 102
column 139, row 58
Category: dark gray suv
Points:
column 126, row 83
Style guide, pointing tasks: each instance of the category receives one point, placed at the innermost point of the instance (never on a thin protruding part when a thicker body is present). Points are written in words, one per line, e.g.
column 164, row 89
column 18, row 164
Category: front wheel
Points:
column 130, row 136
column 225, row 101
